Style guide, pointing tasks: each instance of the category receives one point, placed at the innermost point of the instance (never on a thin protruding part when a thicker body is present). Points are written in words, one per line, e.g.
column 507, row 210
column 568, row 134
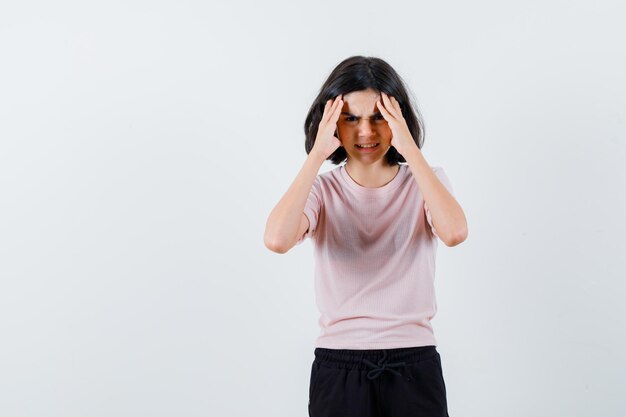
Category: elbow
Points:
column 274, row 245
column 457, row 237
column 273, row 240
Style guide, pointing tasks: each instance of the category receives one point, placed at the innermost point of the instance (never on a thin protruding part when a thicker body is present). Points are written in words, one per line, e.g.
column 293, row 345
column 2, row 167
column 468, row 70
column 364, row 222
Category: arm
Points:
column 287, row 222
column 447, row 215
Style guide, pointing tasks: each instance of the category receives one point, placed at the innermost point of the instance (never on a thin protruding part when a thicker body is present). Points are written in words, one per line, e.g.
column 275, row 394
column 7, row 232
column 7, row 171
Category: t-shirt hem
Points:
column 382, row 344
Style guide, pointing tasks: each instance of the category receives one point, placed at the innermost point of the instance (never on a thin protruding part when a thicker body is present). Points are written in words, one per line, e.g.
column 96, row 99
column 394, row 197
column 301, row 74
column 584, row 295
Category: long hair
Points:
column 360, row 73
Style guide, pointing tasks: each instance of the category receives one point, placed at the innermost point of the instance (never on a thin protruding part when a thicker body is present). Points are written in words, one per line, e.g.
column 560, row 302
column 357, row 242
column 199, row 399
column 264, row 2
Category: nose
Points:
column 365, row 127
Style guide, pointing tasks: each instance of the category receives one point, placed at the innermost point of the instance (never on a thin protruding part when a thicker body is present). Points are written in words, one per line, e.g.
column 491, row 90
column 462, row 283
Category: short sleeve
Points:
column 312, row 209
column 441, row 174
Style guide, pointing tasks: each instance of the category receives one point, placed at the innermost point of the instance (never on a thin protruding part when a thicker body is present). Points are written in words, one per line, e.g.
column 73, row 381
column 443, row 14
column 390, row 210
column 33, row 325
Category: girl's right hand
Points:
column 326, row 142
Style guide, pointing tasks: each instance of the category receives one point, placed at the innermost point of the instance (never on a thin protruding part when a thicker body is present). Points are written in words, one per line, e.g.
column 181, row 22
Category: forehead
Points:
column 361, row 102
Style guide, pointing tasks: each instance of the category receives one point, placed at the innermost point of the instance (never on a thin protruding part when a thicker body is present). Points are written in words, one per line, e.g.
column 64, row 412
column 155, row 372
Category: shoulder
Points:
column 326, row 183
column 328, row 177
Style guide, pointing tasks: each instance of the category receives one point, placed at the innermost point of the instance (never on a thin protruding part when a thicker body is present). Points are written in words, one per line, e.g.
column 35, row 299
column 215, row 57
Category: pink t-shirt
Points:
column 374, row 261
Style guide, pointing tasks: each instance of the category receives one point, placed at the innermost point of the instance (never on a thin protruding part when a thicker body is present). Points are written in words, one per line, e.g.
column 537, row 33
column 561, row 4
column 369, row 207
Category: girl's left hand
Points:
column 401, row 136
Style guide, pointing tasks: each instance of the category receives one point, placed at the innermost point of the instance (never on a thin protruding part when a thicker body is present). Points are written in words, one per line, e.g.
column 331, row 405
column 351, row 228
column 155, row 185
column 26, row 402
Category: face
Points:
column 361, row 123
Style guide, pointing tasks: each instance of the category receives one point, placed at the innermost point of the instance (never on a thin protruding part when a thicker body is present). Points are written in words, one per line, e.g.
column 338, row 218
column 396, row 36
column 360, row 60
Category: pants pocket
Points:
column 443, row 382
column 314, row 373
column 426, row 390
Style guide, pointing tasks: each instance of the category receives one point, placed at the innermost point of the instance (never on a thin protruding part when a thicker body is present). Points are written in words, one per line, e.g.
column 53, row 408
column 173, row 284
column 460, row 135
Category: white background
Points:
column 143, row 145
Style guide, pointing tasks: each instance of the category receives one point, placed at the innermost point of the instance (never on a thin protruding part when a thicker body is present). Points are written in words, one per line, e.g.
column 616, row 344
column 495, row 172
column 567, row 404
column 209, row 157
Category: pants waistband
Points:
column 376, row 360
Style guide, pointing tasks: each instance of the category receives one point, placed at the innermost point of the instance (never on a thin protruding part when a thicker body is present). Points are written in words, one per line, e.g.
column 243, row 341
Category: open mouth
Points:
column 368, row 146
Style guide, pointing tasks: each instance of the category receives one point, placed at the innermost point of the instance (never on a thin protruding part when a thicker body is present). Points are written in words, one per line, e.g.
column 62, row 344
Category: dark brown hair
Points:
column 360, row 73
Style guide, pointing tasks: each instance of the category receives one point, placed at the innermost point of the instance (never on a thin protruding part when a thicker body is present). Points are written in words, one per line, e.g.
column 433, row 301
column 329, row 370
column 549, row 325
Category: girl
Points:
column 374, row 222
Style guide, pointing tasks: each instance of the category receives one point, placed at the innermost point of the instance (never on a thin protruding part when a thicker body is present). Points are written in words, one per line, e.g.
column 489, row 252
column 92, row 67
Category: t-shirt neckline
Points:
column 391, row 185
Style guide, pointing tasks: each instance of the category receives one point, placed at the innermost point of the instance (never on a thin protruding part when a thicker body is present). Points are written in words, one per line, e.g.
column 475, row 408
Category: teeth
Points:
column 367, row 146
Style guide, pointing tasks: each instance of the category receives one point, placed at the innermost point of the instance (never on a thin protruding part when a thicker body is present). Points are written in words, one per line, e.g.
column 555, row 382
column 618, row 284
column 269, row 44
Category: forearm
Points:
column 446, row 214
column 284, row 220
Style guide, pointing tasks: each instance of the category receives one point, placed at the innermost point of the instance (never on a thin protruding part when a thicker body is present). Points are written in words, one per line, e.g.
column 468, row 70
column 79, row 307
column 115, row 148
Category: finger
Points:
column 388, row 116
column 389, row 105
column 328, row 110
column 336, row 104
column 395, row 107
column 325, row 111
column 335, row 115
column 396, row 104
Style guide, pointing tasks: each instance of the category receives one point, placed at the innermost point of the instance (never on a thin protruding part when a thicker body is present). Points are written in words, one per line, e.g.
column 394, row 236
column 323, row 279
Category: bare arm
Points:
column 447, row 215
column 286, row 221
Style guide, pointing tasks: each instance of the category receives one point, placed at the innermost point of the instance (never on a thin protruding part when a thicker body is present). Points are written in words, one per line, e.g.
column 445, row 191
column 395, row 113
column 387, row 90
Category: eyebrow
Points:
column 350, row 114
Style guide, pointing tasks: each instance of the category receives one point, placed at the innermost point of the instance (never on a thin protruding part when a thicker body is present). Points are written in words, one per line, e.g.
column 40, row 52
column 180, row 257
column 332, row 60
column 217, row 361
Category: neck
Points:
column 371, row 176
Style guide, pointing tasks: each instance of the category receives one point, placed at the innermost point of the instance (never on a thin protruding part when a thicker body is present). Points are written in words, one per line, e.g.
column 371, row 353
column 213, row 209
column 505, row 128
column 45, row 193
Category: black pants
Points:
column 401, row 382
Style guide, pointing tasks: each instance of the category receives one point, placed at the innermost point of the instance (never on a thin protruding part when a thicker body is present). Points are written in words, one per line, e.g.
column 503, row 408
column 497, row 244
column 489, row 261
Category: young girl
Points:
column 374, row 223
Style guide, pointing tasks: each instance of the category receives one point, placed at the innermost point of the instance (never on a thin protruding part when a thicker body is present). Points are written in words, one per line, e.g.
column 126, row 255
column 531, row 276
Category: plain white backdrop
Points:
column 143, row 145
